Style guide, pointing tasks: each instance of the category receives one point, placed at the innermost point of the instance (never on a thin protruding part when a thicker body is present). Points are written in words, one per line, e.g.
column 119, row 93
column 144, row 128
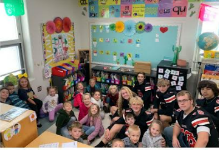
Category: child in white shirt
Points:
column 96, row 99
column 52, row 102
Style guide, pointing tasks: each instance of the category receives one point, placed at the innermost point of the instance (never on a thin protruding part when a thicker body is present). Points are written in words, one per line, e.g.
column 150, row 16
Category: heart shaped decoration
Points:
column 163, row 29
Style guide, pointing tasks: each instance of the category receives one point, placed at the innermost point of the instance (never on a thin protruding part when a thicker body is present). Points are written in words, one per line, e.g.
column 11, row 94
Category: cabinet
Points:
column 66, row 85
column 177, row 75
column 107, row 75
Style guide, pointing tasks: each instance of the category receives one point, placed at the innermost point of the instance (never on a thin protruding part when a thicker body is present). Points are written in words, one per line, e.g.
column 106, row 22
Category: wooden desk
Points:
column 28, row 131
column 48, row 137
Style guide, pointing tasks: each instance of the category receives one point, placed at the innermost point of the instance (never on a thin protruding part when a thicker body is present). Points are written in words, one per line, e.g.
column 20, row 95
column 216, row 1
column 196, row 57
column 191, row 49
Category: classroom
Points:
column 109, row 73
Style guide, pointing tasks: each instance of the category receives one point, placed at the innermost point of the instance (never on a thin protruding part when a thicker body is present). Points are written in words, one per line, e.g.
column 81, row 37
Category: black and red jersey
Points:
column 165, row 102
column 144, row 92
column 190, row 123
column 212, row 107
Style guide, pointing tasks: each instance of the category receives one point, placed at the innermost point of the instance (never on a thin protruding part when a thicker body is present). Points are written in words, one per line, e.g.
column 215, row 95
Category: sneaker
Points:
column 39, row 125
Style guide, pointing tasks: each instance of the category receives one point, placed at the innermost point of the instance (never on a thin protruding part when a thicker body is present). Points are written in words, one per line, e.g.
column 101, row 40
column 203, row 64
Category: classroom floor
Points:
column 51, row 127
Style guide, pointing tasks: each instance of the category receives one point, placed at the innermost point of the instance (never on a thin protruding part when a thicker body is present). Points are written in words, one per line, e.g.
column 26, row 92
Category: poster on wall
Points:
column 137, row 8
column 58, row 47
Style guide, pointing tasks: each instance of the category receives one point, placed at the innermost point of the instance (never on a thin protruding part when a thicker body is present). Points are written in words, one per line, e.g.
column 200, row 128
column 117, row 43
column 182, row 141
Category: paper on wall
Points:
column 176, row 73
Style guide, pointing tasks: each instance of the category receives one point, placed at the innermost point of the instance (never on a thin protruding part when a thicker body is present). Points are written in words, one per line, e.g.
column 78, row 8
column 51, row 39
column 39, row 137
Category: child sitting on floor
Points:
column 134, row 134
column 16, row 101
column 96, row 99
column 152, row 137
column 111, row 99
column 92, row 87
column 78, row 95
column 92, row 124
column 129, row 120
column 52, row 101
column 118, row 143
column 84, row 106
column 65, row 118
column 75, row 130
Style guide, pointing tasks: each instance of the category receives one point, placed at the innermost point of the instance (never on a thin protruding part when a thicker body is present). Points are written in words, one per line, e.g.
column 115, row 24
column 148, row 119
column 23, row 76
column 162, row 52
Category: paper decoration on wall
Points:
column 122, row 41
column 107, row 52
column 129, row 28
column 114, row 53
column 121, row 54
column 137, row 8
column 32, row 117
column 101, row 28
column 8, row 134
column 11, row 78
column 138, row 42
column 95, row 52
column 100, row 39
column 101, row 52
column 107, row 28
column 163, row 29
column 59, row 24
column 66, row 24
column 59, row 47
column 94, row 28
column 112, row 27
column 192, row 13
column 115, row 40
column 16, row 128
column 140, row 26
column 120, row 26
column 208, row 13
column 107, row 40
column 82, row 2
column 47, row 71
column 129, row 41
column 148, row 27
column 137, row 56
column 50, row 27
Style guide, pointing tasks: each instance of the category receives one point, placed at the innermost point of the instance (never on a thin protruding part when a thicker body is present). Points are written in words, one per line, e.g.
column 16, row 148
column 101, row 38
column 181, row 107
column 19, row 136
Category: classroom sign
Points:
column 137, row 8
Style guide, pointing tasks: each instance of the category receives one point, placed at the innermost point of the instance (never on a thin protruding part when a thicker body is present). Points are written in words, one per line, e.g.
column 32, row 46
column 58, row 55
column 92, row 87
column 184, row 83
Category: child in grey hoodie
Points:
column 152, row 137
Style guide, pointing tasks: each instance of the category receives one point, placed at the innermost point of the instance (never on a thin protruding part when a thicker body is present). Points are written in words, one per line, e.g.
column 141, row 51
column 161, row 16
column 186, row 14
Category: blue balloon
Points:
column 207, row 41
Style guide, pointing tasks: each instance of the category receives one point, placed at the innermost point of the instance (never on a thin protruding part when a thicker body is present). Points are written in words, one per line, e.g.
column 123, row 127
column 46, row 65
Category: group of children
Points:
column 138, row 118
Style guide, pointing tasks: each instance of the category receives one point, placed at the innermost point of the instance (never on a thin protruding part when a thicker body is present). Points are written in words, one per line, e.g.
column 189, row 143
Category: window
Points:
column 208, row 26
column 11, row 54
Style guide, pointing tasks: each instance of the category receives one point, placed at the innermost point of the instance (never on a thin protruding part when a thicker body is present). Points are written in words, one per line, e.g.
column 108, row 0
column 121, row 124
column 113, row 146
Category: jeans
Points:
column 88, row 129
column 168, row 133
column 64, row 130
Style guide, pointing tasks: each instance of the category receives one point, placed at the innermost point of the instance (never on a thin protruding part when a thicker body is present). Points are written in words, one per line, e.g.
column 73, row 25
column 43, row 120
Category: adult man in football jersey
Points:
column 194, row 127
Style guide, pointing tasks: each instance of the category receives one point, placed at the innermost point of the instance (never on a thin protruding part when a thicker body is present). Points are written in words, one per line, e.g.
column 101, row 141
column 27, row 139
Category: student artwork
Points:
column 8, row 134
column 176, row 51
column 138, row 42
column 107, row 28
column 16, row 128
column 58, row 41
column 47, row 71
column 82, row 2
column 32, row 117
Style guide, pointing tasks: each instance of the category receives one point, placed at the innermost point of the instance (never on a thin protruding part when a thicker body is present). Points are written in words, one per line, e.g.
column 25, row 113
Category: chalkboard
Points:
column 109, row 47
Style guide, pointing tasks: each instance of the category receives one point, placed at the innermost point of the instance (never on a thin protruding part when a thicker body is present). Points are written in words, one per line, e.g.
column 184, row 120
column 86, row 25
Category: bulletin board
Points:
column 109, row 47
column 58, row 47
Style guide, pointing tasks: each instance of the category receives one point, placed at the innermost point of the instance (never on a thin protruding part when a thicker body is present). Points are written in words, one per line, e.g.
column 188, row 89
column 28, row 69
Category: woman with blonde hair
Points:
column 125, row 94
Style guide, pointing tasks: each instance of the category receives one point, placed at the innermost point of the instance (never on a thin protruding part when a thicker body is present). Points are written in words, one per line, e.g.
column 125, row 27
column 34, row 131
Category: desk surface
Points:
column 5, row 124
column 48, row 137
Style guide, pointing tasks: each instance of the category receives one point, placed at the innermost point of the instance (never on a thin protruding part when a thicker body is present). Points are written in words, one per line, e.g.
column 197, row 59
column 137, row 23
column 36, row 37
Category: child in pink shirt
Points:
column 84, row 106
column 78, row 95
